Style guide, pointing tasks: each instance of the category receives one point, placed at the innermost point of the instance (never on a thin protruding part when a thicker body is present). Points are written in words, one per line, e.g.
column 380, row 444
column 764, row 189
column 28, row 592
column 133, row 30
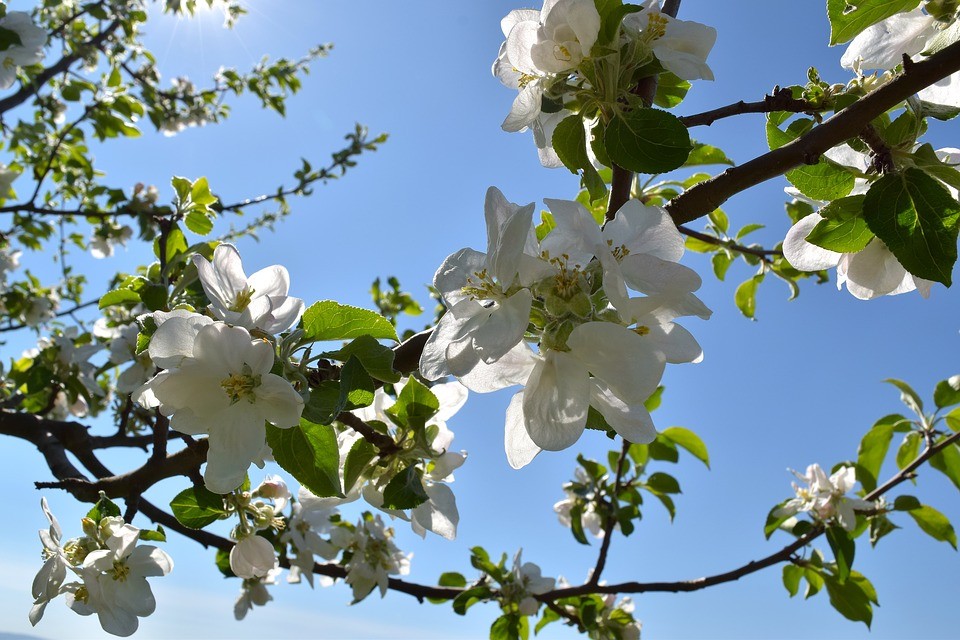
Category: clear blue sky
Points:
column 799, row 386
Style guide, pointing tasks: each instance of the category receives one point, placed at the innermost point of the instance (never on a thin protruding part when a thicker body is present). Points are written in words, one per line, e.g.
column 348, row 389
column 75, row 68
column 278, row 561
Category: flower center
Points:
column 81, row 595
column 656, row 26
column 240, row 386
column 120, row 571
column 242, row 300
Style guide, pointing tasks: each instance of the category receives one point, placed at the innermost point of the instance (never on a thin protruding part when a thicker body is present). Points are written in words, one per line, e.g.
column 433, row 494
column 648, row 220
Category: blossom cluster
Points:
column 111, row 567
column 825, row 498
column 28, row 52
column 597, row 347
column 549, row 57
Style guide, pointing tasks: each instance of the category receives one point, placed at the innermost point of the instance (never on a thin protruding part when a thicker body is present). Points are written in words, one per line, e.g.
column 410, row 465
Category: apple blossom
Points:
column 253, row 557
column 7, row 176
column 681, row 46
column 253, row 591
column 218, row 382
column 28, row 52
column 825, row 498
column 46, row 586
column 373, row 556
column 258, row 302
column 309, row 519
column 523, row 583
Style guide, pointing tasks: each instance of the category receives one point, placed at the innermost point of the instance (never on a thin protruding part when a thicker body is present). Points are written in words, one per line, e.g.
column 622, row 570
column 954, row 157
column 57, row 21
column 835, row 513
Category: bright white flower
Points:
column 28, row 52
column 883, row 45
column 375, row 557
column 523, row 583
column 115, row 583
column 681, row 46
column 46, row 586
column 258, row 302
column 473, row 331
column 825, row 497
column 567, row 31
column 253, row 557
column 218, row 382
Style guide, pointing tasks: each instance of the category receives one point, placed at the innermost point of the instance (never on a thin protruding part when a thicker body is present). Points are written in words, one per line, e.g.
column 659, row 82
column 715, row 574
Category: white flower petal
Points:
column 803, row 255
column 520, row 449
column 556, row 400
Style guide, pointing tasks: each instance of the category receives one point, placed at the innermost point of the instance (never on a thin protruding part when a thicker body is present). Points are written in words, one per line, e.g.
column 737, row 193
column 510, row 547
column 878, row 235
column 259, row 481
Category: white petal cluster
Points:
column 217, row 381
column 883, row 45
column 586, row 499
column 596, row 346
column 28, row 52
column 826, row 497
column 681, row 46
column 523, row 583
column 112, row 569
column 253, row 591
column 373, row 556
column 258, row 302
column 309, row 520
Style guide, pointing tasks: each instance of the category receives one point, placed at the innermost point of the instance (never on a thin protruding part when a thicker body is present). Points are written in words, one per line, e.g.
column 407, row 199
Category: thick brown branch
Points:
column 703, row 198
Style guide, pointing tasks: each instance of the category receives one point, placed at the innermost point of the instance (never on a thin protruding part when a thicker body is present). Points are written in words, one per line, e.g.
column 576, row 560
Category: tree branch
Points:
column 781, row 100
column 760, row 252
column 706, row 196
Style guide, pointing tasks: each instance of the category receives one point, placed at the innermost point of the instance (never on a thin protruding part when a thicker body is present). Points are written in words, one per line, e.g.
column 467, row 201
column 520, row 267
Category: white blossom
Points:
column 523, row 583
column 374, row 557
column 28, row 52
column 253, row 591
column 46, row 585
column 826, row 497
column 253, row 557
column 217, row 381
column 681, row 46
column 258, row 302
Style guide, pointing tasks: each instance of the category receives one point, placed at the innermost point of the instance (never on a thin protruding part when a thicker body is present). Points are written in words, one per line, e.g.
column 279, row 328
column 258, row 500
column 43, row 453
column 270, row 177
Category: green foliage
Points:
column 746, row 296
column 376, row 359
column 310, row 454
column 918, row 220
column 330, row 320
column 405, row 490
column 197, row 506
column 414, row 406
column 570, row 143
column 647, row 141
column 848, row 19
column 103, row 508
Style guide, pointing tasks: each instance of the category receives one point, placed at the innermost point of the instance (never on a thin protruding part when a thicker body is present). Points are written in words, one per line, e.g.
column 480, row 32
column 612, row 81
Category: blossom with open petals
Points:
column 681, row 46
column 217, row 381
column 28, row 52
column 46, row 586
column 253, row 557
column 258, row 302
column 826, row 497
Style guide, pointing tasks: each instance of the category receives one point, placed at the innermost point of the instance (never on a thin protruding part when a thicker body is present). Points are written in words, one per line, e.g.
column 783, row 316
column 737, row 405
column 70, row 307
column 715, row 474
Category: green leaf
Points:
column 330, row 320
column 872, row 452
column 846, row 236
column 199, row 223
column 703, row 154
column 452, row 579
column 848, row 18
column 671, row 90
column 196, row 507
column 375, row 358
column 909, row 449
column 647, row 141
column 324, row 404
column 663, row 483
column 200, row 193
column 570, row 143
column 774, row 519
column 947, row 392
column 222, row 560
column 934, row 524
column 947, row 462
column 151, row 535
column 309, row 452
column 9, row 38
column 653, row 402
column 612, row 14
column 405, row 490
column 510, row 626
column 721, row 262
column 918, row 220
column 844, row 549
column 470, row 597
column 748, row 229
column 576, row 525
column 119, row 296
column 746, row 296
column 791, row 578
column 359, row 456
column 414, row 406
column 908, row 396
column 356, row 386
column 849, row 599
column 103, row 508
column 906, row 503
column 821, row 181
column 689, row 441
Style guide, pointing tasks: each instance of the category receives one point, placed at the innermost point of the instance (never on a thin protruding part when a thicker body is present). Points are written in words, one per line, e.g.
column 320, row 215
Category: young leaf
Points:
column 196, row 507
column 689, row 441
column 405, row 490
column 791, row 578
column 309, row 452
column 849, row 599
column 934, row 524
column 844, row 548
column 647, row 141
column 330, row 320
column 847, row 19
column 947, row 392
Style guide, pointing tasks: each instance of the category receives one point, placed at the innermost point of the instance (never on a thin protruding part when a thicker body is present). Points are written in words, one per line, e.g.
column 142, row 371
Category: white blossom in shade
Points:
column 40, row 308
column 868, row 274
column 681, row 46
column 7, row 176
column 253, row 557
column 115, row 583
column 616, row 620
column 47, row 584
column 104, row 240
column 309, row 520
column 589, row 517
column 123, row 349
column 217, row 381
column 523, row 583
column 826, row 497
column 487, row 315
column 258, row 302
column 374, row 557
column 253, row 591
column 28, row 52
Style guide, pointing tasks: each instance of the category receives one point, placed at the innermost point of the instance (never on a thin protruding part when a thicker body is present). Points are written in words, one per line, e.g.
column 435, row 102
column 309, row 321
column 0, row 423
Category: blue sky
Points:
column 799, row 386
